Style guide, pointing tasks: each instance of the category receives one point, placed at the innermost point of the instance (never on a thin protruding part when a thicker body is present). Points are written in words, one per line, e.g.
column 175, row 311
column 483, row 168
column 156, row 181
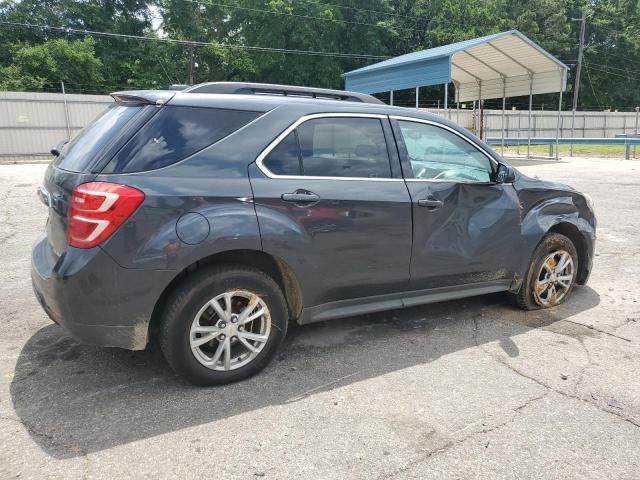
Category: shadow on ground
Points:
column 75, row 399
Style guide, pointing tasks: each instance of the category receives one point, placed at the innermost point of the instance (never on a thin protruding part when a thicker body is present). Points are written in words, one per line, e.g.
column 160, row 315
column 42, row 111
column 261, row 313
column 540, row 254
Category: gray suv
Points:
column 206, row 219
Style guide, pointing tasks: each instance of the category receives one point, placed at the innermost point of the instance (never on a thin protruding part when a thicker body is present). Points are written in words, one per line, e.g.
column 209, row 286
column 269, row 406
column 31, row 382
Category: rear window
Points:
column 174, row 134
column 86, row 147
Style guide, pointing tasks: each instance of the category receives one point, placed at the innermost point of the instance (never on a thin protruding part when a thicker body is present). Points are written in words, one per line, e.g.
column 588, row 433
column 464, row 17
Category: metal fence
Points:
column 32, row 123
column 544, row 123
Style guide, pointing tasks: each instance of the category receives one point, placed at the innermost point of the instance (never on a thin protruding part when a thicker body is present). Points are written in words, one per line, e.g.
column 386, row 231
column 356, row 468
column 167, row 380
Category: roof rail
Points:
column 243, row 88
column 176, row 87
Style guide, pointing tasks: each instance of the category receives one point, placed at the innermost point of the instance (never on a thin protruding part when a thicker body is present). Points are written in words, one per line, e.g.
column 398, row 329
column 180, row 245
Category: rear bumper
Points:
column 95, row 299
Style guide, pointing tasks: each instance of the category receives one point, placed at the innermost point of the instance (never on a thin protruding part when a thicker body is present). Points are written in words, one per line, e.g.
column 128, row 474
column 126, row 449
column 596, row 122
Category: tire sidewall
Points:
column 551, row 243
column 194, row 295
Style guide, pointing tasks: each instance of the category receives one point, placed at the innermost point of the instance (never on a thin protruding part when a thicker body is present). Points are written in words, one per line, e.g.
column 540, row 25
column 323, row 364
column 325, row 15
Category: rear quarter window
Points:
column 83, row 151
column 176, row 133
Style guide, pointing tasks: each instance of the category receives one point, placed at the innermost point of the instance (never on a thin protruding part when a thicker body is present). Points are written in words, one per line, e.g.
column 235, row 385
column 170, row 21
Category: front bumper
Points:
column 96, row 300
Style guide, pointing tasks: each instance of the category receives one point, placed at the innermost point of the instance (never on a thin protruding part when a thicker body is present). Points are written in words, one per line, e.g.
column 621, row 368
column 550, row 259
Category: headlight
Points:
column 589, row 200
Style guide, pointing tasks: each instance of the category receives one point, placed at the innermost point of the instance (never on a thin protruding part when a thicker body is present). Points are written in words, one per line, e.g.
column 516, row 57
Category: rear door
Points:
column 331, row 203
column 466, row 226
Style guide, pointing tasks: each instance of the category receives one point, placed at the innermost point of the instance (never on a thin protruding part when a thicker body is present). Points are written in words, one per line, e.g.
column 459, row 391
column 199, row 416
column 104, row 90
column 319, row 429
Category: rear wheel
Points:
column 551, row 276
column 223, row 325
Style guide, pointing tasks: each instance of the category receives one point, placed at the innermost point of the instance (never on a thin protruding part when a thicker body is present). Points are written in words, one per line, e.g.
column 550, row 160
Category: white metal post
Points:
column 519, row 132
column 559, row 117
column 480, row 119
column 504, row 94
column 457, row 103
column 530, row 108
column 391, row 98
column 637, row 117
column 446, row 99
column 417, row 97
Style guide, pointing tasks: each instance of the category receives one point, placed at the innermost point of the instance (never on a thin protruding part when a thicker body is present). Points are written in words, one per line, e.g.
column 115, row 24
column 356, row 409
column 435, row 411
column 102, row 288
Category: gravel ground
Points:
column 466, row 389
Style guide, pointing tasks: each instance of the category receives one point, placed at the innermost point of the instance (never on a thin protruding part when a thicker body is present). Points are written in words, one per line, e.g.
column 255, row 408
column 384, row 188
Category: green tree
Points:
column 50, row 62
column 373, row 27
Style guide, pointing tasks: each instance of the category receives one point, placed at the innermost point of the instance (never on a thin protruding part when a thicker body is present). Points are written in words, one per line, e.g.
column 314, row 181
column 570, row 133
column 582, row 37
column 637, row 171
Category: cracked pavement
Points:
column 467, row 389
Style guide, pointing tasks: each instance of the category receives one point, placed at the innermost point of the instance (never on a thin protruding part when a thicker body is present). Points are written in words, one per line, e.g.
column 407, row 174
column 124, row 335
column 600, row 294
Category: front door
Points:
column 332, row 204
column 466, row 226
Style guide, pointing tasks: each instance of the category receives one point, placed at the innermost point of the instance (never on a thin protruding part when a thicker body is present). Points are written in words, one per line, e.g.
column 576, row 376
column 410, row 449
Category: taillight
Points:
column 98, row 209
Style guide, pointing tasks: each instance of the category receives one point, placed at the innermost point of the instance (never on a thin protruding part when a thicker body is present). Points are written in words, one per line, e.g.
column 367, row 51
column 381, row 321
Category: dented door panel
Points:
column 474, row 236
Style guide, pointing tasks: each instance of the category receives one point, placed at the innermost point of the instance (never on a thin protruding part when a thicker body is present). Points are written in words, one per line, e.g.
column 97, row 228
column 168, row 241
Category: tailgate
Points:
column 55, row 193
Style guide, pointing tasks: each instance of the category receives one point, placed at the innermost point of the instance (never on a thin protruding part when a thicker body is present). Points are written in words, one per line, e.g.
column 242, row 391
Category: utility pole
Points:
column 576, row 88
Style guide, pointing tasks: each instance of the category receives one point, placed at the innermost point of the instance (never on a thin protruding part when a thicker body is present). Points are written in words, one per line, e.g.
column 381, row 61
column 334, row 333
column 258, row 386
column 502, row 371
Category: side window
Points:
column 285, row 158
column 436, row 153
column 343, row 147
column 175, row 133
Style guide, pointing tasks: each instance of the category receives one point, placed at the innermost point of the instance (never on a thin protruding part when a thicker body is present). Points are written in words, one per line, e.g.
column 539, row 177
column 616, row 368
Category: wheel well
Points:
column 277, row 269
column 572, row 233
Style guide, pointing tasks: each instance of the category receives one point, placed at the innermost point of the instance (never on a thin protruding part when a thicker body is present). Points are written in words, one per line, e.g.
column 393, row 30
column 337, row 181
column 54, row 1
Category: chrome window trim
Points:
column 492, row 161
column 438, row 180
column 300, row 121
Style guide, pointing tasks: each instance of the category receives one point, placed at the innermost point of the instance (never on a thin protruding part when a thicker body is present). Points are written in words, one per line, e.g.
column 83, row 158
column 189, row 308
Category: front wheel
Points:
column 551, row 275
column 223, row 325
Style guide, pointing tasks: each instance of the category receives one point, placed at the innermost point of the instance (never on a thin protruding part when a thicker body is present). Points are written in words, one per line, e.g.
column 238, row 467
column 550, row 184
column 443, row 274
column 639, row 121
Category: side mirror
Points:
column 505, row 173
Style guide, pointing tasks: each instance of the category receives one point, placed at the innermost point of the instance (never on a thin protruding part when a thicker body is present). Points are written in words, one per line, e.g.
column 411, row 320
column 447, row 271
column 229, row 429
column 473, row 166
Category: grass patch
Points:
column 607, row 151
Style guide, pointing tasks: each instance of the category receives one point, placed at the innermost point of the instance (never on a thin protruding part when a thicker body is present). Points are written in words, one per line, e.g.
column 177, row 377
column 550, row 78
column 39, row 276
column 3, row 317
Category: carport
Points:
column 506, row 64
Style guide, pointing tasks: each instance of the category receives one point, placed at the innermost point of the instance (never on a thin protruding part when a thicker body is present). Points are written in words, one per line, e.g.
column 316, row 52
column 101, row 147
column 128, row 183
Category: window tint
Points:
column 285, row 158
column 84, row 149
column 175, row 133
column 343, row 147
column 436, row 153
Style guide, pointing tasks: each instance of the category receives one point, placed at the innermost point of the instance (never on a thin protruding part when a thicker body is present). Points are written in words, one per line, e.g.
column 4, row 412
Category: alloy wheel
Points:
column 554, row 279
column 230, row 330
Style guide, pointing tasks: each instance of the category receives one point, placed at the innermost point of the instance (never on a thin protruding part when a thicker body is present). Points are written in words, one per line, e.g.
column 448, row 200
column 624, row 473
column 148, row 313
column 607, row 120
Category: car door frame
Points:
column 489, row 285
column 392, row 150
column 406, row 164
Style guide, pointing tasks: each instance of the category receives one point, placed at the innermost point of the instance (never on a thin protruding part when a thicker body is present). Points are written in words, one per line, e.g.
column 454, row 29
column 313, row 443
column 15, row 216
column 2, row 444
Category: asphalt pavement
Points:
column 467, row 389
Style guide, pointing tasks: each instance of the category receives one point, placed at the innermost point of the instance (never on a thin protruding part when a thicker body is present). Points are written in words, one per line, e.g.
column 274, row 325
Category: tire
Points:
column 526, row 298
column 190, row 309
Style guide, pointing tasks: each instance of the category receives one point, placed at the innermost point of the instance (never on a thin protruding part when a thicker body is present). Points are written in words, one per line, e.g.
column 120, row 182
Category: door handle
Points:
column 300, row 197
column 430, row 203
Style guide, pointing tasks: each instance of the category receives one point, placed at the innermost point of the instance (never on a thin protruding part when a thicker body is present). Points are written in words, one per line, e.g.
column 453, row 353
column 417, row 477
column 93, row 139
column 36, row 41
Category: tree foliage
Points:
column 38, row 58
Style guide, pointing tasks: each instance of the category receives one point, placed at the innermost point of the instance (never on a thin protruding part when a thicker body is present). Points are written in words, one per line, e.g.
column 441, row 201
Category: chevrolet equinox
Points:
column 206, row 219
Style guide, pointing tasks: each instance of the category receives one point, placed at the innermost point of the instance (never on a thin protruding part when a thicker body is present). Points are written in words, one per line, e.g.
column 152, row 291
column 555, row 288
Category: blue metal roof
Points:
column 434, row 66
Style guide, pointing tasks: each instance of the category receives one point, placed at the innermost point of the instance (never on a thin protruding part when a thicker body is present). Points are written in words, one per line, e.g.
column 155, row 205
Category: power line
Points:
column 615, row 74
column 75, row 31
column 624, row 70
column 593, row 90
column 607, row 52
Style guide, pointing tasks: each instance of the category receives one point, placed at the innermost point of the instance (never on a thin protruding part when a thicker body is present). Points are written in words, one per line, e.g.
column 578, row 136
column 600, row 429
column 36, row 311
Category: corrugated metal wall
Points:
column 32, row 123
column 544, row 123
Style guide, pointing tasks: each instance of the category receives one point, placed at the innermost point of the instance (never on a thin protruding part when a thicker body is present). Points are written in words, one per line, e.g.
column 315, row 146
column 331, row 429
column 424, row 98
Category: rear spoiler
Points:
column 143, row 97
